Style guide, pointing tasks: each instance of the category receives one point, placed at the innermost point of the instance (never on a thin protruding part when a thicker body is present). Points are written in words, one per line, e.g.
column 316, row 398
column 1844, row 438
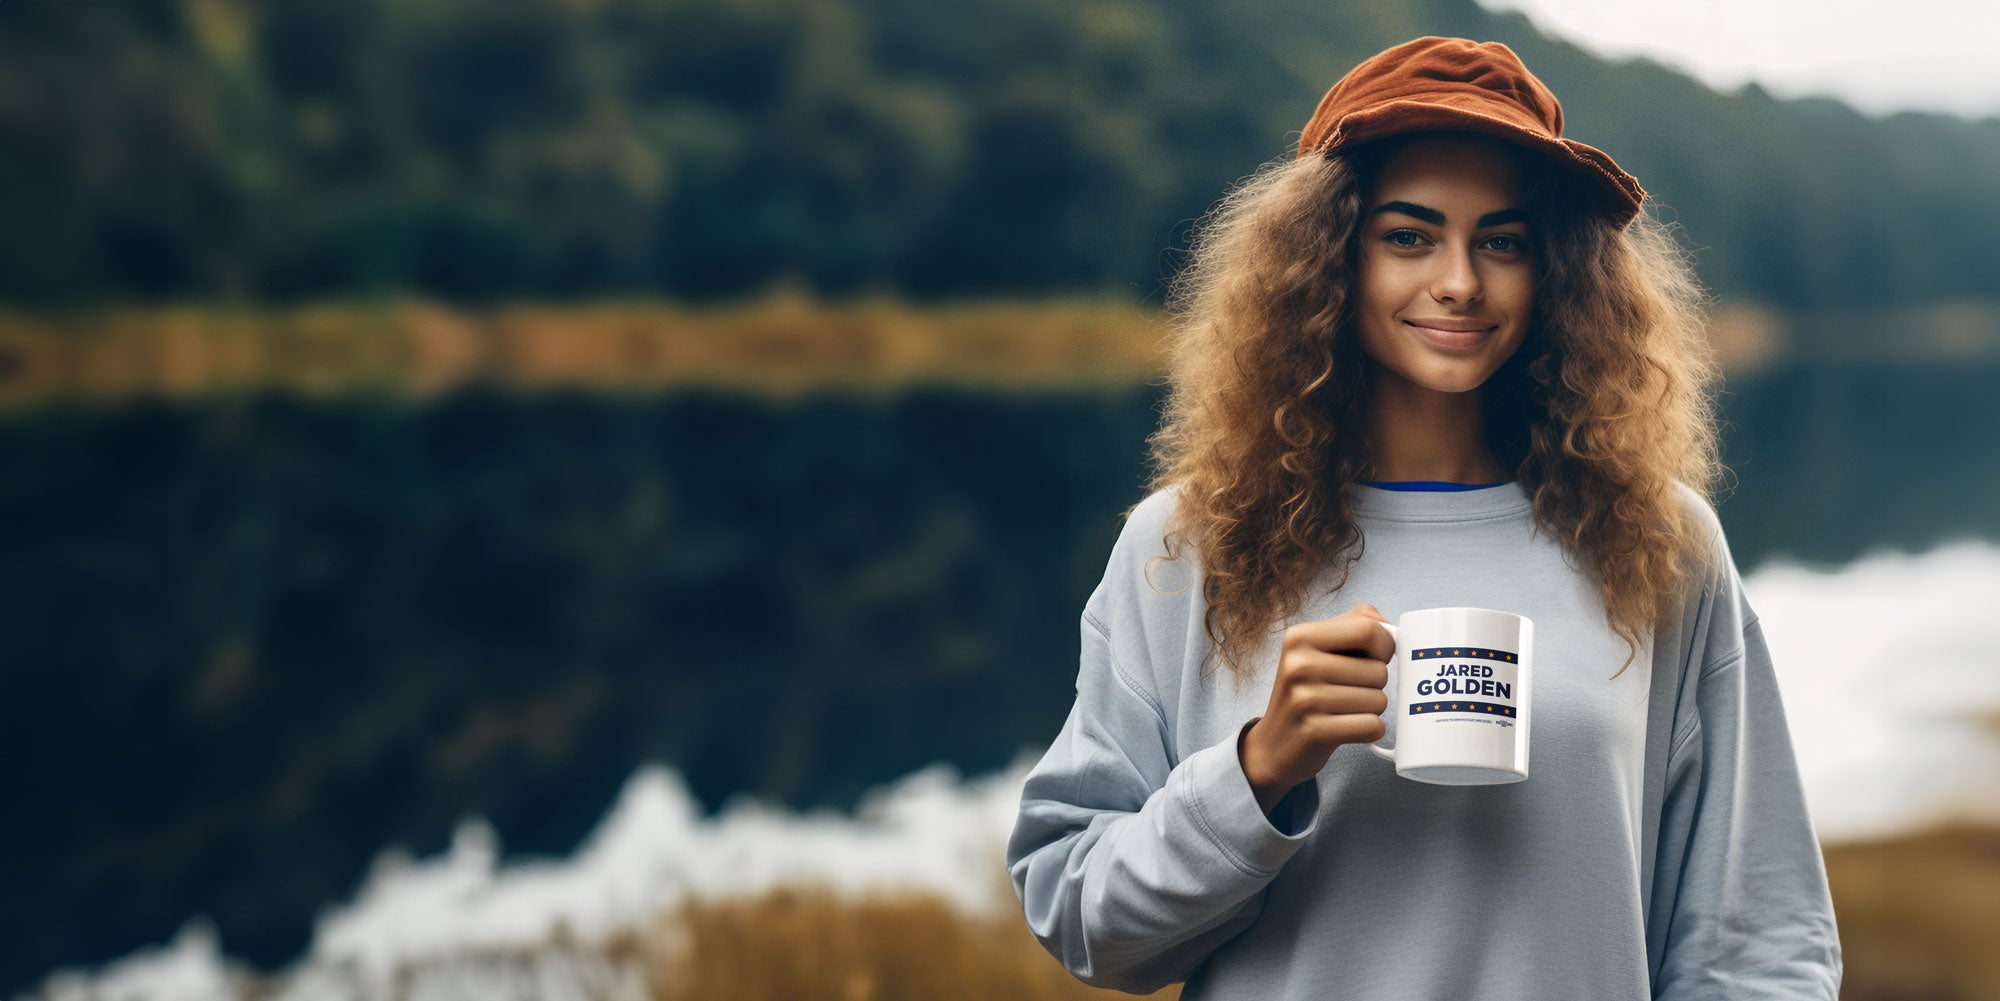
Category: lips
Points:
column 1452, row 334
column 1452, row 323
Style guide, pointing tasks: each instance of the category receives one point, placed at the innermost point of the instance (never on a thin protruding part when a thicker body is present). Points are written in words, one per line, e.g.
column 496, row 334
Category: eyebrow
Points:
column 1436, row 218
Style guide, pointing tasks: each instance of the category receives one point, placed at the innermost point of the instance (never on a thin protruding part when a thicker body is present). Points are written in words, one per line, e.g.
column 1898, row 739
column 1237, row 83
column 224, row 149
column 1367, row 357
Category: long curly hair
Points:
column 1607, row 402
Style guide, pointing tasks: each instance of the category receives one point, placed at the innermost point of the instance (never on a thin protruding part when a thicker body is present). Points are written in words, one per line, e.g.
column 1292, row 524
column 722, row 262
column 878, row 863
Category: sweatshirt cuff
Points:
column 1227, row 808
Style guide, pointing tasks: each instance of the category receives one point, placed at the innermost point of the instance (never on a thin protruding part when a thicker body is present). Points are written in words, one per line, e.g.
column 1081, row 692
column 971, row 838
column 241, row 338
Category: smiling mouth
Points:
column 1453, row 339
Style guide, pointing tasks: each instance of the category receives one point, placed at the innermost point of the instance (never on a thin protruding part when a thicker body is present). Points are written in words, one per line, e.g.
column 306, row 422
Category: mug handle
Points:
column 1389, row 753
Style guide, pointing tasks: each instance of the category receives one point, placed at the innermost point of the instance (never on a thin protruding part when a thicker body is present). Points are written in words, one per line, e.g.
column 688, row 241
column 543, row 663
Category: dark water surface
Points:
column 253, row 643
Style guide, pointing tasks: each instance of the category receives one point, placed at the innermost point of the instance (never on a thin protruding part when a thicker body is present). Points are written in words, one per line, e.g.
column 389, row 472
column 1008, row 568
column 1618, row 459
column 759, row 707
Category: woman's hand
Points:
column 1329, row 692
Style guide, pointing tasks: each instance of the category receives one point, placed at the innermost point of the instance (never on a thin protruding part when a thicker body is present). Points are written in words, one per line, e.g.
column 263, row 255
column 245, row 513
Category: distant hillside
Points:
column 202, row 149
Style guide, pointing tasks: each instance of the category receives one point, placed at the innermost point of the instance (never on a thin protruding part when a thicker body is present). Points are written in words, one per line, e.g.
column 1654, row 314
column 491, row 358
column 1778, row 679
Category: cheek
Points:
column 1379, row 284
column 1372, row 299
column 1519, row 287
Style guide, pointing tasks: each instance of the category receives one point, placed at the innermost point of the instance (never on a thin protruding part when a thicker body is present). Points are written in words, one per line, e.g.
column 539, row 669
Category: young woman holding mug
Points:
column 1443, row 357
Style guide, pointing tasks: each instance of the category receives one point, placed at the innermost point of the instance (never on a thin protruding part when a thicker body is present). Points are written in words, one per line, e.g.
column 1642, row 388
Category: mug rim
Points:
column 1465, row 608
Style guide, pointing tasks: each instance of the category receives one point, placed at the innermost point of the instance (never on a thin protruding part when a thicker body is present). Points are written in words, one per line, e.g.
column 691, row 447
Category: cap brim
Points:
column 1620, row 191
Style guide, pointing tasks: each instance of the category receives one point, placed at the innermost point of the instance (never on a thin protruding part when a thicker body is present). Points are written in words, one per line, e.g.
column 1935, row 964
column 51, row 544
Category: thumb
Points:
column 1372, row 612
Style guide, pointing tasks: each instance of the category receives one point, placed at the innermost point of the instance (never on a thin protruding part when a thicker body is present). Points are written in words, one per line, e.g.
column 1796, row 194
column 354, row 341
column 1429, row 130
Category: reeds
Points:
column 1916, row 918
column 783, row 344
column 776, row 346
column 1917, row 915
column 809, row 944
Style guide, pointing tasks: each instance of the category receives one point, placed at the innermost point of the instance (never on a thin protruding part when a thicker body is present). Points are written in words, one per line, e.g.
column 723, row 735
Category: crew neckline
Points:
column 1389, row 503
column 1432, row 485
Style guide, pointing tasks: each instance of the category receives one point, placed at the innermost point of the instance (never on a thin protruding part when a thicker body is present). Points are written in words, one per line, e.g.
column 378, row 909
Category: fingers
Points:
column 1351, row 729
column 1320, row 668
column 1355, row 632
column 1344, row 700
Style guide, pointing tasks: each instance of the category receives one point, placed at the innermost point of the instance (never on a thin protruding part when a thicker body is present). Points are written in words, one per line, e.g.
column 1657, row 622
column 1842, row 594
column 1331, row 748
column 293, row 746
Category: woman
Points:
column 1441, row 358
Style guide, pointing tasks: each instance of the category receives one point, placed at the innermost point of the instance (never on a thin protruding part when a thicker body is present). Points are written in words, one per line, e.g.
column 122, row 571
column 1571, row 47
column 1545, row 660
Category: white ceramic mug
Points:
column 1463, row 681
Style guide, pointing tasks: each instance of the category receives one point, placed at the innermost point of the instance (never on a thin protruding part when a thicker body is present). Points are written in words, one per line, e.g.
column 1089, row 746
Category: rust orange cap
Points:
column 1456, row 83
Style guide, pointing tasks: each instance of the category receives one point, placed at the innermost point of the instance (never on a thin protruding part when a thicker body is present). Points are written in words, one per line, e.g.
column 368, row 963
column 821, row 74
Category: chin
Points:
column 1450, row 378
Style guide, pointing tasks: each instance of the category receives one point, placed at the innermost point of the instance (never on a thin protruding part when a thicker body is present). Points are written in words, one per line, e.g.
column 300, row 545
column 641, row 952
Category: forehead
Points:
column 1450, row 170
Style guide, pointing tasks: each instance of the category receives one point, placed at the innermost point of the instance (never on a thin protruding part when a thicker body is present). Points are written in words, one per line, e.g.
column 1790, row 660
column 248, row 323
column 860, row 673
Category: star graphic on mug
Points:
column 1434, row 707
column 1454, row 705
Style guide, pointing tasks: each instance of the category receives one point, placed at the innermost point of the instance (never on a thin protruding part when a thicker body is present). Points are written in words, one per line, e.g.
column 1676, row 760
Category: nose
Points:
column 1457, row 280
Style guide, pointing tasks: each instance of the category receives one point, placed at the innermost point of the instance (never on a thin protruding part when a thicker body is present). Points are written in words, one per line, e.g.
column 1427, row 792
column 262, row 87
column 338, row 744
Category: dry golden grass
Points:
column 809, row 944
column 780, row 345
column 1918, row 915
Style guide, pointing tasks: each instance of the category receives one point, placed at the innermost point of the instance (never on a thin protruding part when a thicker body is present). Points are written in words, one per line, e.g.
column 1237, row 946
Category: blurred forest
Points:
column 248, row 149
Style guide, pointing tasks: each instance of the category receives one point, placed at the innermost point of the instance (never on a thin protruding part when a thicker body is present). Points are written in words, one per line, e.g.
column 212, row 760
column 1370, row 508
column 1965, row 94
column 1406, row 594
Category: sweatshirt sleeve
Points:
column 1131, row 867
column 1741, row 904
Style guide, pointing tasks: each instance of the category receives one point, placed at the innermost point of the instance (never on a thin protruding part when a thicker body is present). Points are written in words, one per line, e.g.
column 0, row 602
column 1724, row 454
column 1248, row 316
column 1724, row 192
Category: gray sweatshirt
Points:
column 1659, row 849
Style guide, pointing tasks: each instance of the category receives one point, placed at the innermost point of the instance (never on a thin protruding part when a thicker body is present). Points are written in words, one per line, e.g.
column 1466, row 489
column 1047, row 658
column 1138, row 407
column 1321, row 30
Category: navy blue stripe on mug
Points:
column 1480, row 653
column 1461, row 706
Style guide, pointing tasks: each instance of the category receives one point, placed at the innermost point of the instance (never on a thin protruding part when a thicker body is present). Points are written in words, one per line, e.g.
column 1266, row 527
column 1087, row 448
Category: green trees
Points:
column 706, row 148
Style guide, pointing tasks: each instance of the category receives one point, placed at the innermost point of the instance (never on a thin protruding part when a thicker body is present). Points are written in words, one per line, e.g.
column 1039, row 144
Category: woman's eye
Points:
column 1396, row 238
column 1508, row 244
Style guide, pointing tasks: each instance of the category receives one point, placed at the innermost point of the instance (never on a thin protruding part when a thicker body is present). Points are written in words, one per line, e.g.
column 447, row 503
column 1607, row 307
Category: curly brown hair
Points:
column 1606, row 404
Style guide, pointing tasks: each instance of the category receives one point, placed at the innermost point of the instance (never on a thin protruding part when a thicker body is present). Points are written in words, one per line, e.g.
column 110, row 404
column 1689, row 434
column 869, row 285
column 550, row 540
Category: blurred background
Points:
column 592, row 498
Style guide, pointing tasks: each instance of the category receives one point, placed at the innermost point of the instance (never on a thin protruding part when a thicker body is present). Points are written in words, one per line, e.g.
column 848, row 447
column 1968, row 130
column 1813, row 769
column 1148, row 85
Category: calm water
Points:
column 254, row 643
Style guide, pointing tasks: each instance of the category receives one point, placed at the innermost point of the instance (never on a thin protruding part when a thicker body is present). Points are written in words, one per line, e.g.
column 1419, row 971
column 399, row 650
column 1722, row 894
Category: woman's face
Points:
column 1447, row 277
